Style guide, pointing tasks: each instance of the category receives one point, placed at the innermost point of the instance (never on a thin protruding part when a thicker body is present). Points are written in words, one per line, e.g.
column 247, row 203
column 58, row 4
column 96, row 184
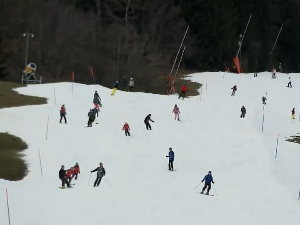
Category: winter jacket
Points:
column 96, row 95
column 76, row 170
column 126, row 127
column 100, row 171
column 63, row 110
column 69, row 173
column 208, row 179
column 171, row 155
column 184, row 88
column 62, row 173
column 92, row 113
column 116, row 85
column 131, row 83
column 274, row 70
column 176, row 110
column 293, row 111
column 147, row 119
column 96, row 101
column 243, row 110
column 234, row 88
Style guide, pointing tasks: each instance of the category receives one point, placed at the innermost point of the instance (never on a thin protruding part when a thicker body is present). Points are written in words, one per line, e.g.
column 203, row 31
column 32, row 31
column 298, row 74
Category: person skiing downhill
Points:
column 293, row 113
column 115, row 87
column 91, row 116
column 208, row 180
column 146, row 121
column 243, row 112
column 63, row 114
column 62, row 177
column 126, row 128
column 76, row 171
column 97, row 100
column 100, row 173
column 171, row 158
column 289, row 83
column 176, row 111
column 184, row 89
column 69, row 175
column 234, row 89
column 264, row 100
column 274, row 73
column 131, row 84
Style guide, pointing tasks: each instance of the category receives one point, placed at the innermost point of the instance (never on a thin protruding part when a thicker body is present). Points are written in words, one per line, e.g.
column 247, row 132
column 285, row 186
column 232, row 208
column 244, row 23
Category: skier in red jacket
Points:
column 126, row 128
column 176, row 111
column 76, row 171
column 69, row 174
column 183, row 91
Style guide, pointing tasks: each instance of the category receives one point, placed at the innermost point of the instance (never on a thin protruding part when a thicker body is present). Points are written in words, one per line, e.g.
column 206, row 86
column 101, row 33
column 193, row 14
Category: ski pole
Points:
column 215, row 188
column 107, row 182
column 197, row 185
column 89, row 179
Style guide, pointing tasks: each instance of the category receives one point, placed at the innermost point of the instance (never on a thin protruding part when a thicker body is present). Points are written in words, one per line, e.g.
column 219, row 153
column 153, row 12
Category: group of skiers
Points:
column 66, row 176
column 124, row 83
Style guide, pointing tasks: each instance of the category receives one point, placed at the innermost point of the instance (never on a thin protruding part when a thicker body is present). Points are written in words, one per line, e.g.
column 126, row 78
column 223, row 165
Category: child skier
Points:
column 69, row 175
column 208, row 180
column 126, row 128
column 62, row 177
column 115, row 87
column 146, row 121
column 76, row 171
column 63, row 113
column 171, row 158
column 100, row 173
column 264, row 100
column 176, row 111
column 274, row 73
column 234, row 89
column 293, row 113
column 183, row 91
column 243, row 112
column 289, row 83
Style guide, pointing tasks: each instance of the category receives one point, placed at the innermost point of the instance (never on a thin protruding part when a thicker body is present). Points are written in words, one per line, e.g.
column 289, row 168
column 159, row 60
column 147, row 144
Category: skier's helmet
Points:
column 131, row 79
column 170, row 148
column 209, row 172
column 175, row 105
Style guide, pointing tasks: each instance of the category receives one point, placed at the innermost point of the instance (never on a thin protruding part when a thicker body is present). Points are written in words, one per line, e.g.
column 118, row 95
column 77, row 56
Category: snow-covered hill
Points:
column 252, row 187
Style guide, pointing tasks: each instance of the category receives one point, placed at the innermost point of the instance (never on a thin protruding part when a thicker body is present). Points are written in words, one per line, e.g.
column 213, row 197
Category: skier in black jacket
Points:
column 100, row 173
column 243, row 112
column 62, row 177
column 91, row 116
column 146, row 121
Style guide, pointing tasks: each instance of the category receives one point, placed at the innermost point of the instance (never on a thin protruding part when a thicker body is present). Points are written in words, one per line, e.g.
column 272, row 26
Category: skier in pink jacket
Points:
column 176, row 111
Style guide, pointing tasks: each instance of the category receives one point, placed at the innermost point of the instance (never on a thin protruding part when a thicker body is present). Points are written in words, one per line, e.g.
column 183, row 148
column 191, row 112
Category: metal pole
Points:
column 243, row 36
column 26, row 55
column 276, row 39
column 178, row 65
column 179, row 49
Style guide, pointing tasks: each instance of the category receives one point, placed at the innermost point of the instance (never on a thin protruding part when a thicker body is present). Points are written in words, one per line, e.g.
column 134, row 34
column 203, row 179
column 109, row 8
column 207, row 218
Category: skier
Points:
column 243, row 112
column 183, row 91
column 126, row 128
column 62, row 177
column 146, row 121
column 124, row 83
column 115, row 87
column 208, row 179
column 255, row 73
column 234, row 89
column 280, row 67
column 91, row 116
column 293, row 113
column 63, row 113
column 76, row 171
column 171, row 158
column 97, row 100
column 274, row 73
column 69, row 175
column 100, row 173
column 176, row 111
column 131, row 84
column 289, row 83
column 264, row 100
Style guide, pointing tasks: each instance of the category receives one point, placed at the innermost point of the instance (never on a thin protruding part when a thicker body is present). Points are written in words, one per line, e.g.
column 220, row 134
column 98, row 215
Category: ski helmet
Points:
column 209, row 172
column 170, row 148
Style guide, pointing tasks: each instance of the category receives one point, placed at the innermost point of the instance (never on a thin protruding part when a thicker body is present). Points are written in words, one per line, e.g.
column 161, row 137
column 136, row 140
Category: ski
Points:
column 204, row 194
column 65, row 187
column 171, row 170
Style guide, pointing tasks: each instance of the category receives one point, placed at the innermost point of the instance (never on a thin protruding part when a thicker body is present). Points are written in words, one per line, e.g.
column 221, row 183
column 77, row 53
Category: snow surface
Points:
column 253, row 188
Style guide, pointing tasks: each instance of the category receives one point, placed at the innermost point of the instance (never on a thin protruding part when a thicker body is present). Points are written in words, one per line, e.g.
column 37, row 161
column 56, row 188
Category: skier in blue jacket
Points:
column 208, row 179
column 171, row 158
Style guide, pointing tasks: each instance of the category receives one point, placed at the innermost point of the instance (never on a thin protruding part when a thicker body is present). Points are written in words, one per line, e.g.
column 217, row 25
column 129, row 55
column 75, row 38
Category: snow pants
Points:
column 148, row 126
column 293, row 116
column 170, row 164
column 64, row 181
column 97, row 181
column 289, row 84
column 91, row 120
column 97, row 106
column 255, row 74
column 205, row 186
column 177, row 116
column 130, row 88
column 114, row 91
column 233, row 93
column 75, row 175
column 63, row 116
column 127, row 133
column 182, row 95
column 273, row 75
column 243, row 115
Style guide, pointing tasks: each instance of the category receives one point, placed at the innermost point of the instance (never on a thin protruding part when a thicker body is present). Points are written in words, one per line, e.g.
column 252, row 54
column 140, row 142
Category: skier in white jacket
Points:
column 131, row 84
column 289, row 83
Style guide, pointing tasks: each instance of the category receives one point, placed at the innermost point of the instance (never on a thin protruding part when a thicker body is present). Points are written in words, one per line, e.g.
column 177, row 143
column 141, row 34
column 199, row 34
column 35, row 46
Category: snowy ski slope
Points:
column 253, row 188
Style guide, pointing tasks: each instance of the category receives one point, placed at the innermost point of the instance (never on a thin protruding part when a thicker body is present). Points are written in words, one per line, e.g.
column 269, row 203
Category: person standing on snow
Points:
column 100, row 173
column 289, row 83
column 126, row 128
column 63, row 113
column 76, row 171
column 97, row 100
column 208, row 180
column 184, row 89
column 124, row 83
column 234, row 89
column 171, row 158
column 243, row 112
column 69, row 175
column 115, row 87
column 293, row 113
column 91, row 116
column 264, row 100
column 131, row 84
column 146, row 121
column 62, row 177
column 274, row 73
column 176, row 111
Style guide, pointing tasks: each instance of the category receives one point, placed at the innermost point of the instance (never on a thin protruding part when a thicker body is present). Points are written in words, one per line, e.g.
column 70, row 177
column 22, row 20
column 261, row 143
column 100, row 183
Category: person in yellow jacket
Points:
column 293, row 113
column 115, row 87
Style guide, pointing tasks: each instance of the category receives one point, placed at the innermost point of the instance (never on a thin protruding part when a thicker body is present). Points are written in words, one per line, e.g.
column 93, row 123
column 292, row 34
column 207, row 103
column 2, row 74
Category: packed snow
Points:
column 251, row 186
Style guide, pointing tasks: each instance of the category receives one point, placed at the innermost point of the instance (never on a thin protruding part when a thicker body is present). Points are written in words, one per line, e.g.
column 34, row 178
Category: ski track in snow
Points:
column 252, row 187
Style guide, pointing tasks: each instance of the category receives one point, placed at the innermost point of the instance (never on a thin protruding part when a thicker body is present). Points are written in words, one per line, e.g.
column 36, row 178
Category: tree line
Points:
column 140, row 39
